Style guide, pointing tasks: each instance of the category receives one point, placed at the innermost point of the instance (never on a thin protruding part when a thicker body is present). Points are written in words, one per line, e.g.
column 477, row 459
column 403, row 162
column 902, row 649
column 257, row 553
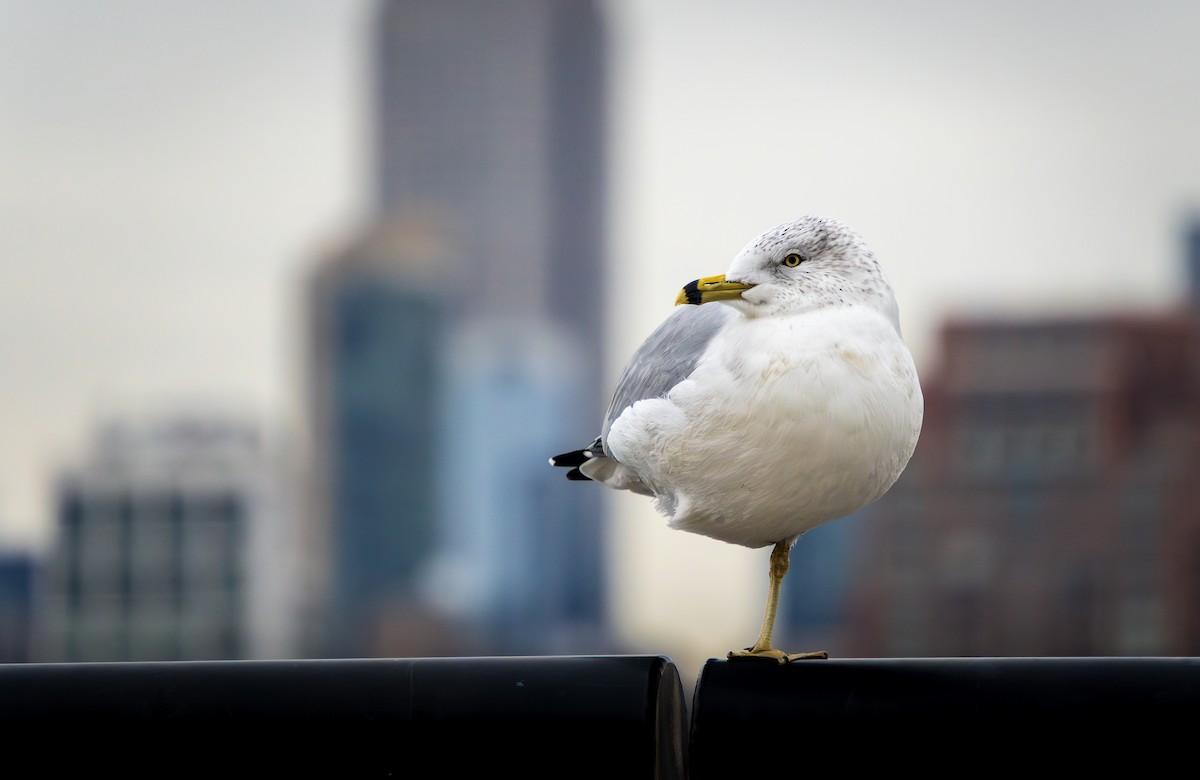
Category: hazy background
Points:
column 168, row 173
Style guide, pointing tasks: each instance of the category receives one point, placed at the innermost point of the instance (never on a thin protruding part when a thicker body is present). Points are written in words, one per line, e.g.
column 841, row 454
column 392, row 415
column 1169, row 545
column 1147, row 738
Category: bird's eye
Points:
column 793, row 260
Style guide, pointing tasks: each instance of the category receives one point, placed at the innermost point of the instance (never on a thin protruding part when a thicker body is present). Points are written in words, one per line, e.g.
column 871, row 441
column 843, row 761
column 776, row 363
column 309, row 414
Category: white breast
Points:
column 787, row 423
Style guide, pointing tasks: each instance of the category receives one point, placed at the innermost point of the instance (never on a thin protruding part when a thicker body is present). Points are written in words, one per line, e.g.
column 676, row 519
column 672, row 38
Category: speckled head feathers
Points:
column 816, row 233
column 835, row 268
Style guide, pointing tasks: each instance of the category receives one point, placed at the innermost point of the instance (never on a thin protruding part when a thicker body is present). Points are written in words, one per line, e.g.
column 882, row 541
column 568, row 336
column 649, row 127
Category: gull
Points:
column 793, row 402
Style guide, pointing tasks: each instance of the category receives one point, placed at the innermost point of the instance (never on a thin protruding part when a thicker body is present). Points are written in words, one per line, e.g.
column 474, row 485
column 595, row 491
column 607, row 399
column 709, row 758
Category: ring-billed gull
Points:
column 794, row 403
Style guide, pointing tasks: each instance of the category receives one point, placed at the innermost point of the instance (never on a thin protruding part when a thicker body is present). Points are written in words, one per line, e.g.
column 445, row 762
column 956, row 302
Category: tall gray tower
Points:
column 491, row 121
column 459, row 340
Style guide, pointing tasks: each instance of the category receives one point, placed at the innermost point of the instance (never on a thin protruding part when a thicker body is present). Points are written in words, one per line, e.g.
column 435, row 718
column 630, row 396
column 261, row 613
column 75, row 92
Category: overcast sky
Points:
column 168, row 171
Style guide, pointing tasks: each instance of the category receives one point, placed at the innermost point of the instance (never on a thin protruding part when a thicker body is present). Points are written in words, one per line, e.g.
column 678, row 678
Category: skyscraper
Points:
column 490, row 122
column 173, row 543
column 459, row 338
column 18, row 573
column 376, row 333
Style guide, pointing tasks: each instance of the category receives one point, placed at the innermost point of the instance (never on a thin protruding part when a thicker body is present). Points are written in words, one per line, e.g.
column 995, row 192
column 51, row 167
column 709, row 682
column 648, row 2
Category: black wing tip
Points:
column 571, row 459
column 576, row 458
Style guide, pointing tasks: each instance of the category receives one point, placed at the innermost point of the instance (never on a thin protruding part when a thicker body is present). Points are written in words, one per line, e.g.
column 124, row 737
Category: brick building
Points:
column 1053, row 504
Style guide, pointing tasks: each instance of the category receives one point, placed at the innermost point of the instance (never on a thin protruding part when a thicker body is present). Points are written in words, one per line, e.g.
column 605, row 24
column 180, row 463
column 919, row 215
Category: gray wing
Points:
column 666, row 357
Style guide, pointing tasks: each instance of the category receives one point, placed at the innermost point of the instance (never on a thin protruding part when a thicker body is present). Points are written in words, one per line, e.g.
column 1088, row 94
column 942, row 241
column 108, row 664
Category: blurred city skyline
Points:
column 169, row 175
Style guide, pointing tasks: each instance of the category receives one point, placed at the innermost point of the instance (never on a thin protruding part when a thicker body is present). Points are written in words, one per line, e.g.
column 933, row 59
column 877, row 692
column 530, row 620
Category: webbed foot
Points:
column 771, row 655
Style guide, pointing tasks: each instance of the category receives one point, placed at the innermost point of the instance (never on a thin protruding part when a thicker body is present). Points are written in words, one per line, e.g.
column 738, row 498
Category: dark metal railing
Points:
column 602, row 716
column 617, row 716
column 952, row 717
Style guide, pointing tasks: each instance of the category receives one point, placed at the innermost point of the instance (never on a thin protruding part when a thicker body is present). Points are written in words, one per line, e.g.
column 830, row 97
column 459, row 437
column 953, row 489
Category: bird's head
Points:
column 811, row 263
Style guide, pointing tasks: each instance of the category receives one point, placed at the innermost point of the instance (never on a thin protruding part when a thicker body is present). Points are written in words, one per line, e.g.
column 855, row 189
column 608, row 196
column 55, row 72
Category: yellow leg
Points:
column 780, row 560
